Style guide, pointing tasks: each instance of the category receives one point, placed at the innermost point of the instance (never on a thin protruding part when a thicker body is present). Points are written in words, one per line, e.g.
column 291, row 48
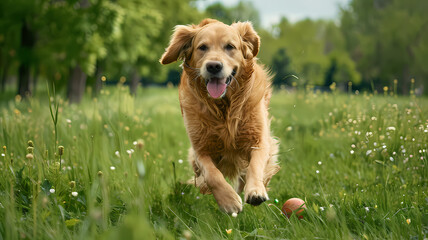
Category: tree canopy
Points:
column 77, row 43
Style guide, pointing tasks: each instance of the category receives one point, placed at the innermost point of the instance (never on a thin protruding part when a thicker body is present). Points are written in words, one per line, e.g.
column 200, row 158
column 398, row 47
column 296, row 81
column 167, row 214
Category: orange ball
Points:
column 294, row 205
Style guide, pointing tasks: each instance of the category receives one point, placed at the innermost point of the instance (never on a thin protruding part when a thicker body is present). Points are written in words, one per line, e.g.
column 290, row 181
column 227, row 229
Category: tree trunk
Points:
column 135, row 80
column 27, row 44
column 98, row 78
column 405, row 81
column 4, row 75
column 24, row 80
column 76, row 84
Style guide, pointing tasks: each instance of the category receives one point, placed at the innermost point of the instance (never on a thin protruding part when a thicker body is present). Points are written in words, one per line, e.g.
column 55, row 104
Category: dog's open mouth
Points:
column 217, row 86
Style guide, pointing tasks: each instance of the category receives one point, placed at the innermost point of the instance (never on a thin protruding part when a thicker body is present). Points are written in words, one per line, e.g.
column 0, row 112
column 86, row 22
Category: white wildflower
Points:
column 112, row 168
column 52, row 190
column 117, row 153
column 74, row 194
column 390, row 129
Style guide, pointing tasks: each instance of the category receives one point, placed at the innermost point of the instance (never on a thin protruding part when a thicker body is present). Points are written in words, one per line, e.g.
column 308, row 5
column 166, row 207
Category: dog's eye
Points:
column 229, row 47
column 203, row 47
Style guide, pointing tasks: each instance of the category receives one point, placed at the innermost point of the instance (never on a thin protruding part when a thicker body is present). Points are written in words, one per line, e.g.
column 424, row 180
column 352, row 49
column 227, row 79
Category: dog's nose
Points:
column 214, row 67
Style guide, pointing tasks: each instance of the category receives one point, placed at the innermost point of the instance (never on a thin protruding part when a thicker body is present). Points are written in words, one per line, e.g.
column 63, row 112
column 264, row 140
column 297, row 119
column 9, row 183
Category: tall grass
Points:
column 359, row 161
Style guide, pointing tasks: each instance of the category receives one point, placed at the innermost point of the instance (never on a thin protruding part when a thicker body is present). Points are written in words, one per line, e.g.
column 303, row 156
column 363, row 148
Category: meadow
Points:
column 116, row 166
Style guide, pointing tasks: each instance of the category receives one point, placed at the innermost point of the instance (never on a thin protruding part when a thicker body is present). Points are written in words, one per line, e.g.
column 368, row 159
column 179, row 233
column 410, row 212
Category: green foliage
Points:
column 359, row 161
column 242, row 11
column 311, row 46
column 387, row 40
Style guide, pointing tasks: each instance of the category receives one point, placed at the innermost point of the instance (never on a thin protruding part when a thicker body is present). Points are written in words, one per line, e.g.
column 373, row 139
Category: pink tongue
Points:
column 216, row 87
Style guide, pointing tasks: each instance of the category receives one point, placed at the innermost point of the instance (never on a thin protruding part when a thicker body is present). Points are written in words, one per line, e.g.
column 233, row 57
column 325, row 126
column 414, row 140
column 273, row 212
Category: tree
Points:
column 281, row 67
column 242, row 11
column 388, row 40
column 18, row 29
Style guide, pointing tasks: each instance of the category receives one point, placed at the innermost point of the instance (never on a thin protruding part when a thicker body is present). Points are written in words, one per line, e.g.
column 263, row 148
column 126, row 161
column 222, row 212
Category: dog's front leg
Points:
column 255, row 190
column 227, row 199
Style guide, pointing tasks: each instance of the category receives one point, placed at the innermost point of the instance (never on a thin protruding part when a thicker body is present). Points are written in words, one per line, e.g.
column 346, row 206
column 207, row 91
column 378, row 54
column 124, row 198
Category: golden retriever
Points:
column 224, row 96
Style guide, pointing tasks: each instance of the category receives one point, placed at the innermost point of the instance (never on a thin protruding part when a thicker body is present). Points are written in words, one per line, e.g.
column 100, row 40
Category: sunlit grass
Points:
column 359, row 161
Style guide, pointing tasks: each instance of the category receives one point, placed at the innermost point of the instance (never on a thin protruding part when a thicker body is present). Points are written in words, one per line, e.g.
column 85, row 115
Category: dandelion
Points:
column 187, row 234
column 408, row 221
column 112, row 168
column 390, row 129
column 74, row 194
column 229, row 231
column 52, row 190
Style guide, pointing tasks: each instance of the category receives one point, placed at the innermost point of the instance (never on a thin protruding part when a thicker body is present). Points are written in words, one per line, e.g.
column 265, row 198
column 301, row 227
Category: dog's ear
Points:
column 250, row 38
column 180, row 44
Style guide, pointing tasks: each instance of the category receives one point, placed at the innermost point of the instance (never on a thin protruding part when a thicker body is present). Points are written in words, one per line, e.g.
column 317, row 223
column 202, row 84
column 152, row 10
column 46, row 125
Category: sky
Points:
column 271, row 10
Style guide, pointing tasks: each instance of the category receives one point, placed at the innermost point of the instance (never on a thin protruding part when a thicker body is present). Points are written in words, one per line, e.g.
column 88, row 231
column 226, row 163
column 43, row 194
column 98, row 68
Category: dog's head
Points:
column 214, row 52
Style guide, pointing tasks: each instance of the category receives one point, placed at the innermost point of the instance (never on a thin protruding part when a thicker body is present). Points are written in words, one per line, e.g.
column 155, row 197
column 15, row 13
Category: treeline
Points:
column 374, row 44
column 81, row 43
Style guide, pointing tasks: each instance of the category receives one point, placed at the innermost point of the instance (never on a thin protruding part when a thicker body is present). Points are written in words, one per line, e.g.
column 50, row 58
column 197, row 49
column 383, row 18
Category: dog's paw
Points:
column 256, row 195
column 228, row 200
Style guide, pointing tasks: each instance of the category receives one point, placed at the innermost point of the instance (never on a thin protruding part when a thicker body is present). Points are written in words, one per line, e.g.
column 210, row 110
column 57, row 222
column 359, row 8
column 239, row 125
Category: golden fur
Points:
column 230, row 135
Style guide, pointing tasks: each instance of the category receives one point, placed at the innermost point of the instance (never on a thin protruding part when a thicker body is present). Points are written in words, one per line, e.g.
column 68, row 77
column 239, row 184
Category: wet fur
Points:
column 229, row 133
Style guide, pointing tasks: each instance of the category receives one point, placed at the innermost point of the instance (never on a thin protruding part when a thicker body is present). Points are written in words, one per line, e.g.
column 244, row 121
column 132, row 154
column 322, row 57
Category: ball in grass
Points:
column 294, row 205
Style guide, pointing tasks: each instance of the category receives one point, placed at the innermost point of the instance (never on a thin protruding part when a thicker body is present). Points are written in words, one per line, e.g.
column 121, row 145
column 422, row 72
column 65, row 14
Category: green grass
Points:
column 359, row 161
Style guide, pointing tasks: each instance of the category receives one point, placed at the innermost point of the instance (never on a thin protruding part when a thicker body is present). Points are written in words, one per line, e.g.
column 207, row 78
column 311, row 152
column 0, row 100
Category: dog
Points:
column 224, row 97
